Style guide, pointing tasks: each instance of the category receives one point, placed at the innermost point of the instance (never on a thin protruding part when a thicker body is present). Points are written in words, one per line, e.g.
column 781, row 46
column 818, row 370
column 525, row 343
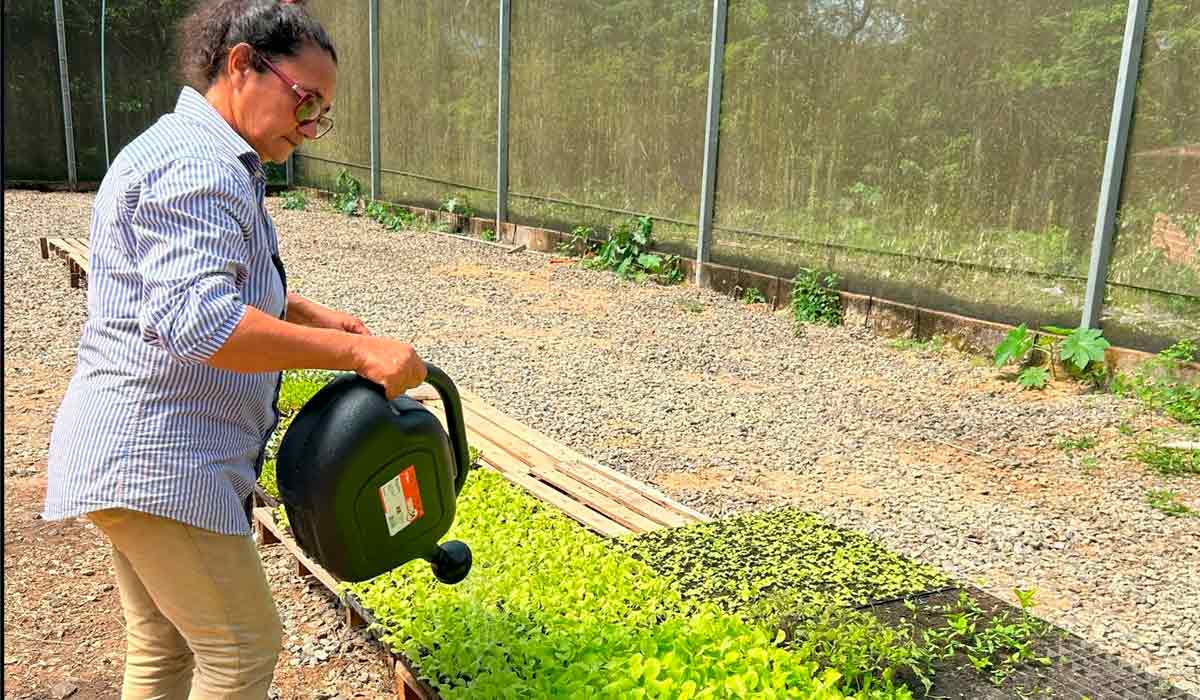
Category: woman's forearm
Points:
column 300, row 309
column 263, row 343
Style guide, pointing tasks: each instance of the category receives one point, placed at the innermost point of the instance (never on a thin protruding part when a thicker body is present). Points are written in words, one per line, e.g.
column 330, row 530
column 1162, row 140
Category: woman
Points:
column 161, row 435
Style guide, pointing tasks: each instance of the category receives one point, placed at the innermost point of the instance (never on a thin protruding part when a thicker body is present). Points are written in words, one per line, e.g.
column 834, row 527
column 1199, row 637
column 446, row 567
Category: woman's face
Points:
column 263, row 105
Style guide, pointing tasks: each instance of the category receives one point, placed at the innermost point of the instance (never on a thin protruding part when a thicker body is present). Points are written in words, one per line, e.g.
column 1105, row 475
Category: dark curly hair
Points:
column 273, row 28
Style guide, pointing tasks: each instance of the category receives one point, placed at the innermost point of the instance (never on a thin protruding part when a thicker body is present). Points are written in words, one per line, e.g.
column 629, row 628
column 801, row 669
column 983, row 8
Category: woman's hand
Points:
column 339, row 321
column 393, row 364
column 307, row 312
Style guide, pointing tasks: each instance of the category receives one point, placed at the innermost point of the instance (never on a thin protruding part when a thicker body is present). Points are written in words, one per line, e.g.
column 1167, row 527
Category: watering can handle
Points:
column 452, row 405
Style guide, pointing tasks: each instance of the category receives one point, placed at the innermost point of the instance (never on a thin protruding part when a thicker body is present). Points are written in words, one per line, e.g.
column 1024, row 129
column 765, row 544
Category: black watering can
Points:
column 369, row 484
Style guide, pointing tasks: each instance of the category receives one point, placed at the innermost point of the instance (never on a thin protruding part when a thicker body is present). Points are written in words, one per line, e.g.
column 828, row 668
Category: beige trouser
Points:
column 199, row 618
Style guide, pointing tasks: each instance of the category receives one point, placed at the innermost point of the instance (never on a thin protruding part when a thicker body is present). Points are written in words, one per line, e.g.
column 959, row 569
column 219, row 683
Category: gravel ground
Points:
column 720, row 405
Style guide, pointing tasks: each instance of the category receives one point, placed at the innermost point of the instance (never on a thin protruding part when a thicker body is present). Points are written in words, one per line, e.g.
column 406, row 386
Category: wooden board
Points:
column 581, row 487
column 569, row 458
column 263, row 517
column 519, row 473
column 77, row 253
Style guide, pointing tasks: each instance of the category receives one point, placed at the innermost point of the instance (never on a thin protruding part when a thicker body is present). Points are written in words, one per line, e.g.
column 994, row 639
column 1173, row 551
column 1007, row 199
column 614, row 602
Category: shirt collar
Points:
column 193, row 106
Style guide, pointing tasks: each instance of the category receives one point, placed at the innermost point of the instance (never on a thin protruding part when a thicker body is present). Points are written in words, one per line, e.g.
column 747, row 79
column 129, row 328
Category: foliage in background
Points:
column 1167, row 501
column 1161, row 384
column 295, row 200
column 815, row 299
column 347, row 197
column 752, row 295
column 298, row 386
column 457, row 204
column 627, row 253
column 391, row 217
column 1168, row 461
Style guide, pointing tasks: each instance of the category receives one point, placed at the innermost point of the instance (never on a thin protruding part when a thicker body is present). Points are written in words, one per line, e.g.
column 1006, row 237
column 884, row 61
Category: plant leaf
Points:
column 1033, row 377
column 1083, row 346
column 1014, row 346
column 652, row 263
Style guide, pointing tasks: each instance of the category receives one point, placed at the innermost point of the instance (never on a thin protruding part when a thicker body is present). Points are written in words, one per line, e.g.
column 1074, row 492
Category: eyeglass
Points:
column 308, row 109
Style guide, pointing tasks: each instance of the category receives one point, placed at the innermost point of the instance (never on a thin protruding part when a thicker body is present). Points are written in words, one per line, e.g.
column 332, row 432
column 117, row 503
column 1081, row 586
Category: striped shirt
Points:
column 181, row 243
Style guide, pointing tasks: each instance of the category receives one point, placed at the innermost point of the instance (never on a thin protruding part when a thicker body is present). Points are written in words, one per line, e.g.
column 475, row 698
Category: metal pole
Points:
column 1114, row 162
column 712, row 129
column 64, row 80
column 502, row 121
column 373, row 28
column 103, row 82
column 290, row 170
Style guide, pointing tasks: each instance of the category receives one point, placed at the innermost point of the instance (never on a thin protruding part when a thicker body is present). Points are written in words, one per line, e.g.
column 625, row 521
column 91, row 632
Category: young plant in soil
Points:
column 1161, row 384
column 815, row 299
column 581, row 242
column 551, row 610
column 779, row 561
column 1080, row 350
column 1167, row 461
column 1167, row 501
column 935, row 345
column 753, row 296
column 347, row 197
column 627, row 253
column 294, row 200
column 1079, row 444
column 459, row 205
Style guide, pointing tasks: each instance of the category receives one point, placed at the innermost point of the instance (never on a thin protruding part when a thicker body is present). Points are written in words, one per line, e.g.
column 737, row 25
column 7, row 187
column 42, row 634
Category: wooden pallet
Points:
column 602, row 499
column 76, row 252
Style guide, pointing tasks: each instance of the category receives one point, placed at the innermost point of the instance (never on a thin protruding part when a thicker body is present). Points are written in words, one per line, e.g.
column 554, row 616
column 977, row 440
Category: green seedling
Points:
column 1079, row 444
column 1167, row 501
column 347, row 198
column 294, row 200
column 1162, row 384
column 815, row 299
column 1168, row 461
column 1015, row 346
column 753, row 296
column 626, row 252
column 1033, row 378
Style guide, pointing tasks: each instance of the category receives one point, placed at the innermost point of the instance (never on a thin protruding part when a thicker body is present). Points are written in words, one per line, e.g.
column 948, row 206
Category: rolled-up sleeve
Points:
column 191, row 229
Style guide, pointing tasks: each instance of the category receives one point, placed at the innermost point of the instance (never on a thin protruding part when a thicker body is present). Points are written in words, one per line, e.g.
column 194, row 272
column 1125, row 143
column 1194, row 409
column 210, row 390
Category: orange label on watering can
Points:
column 401, row 500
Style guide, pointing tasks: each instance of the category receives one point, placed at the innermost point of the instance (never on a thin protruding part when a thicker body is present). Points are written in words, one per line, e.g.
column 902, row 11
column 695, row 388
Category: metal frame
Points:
column 64, row 80
column 1114, row 162
column 712, row 135
column 103, row 81
column 373, row 30
column 502, row 118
